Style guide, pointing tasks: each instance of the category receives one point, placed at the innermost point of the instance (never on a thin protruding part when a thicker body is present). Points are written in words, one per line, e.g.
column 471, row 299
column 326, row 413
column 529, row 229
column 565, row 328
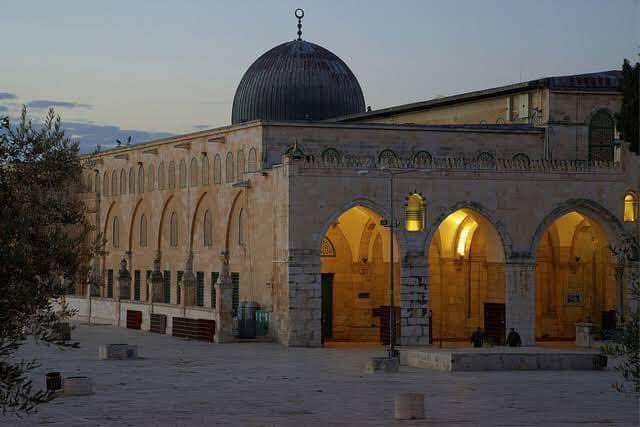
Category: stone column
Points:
column 520, row 298
column 188, row 283
column 155, row 282
column 305, row 292
column 414, row 327
column 224, row 303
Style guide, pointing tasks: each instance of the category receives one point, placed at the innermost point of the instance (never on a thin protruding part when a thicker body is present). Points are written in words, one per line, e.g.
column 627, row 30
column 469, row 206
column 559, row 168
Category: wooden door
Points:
column 494, row 322
column 327, row 305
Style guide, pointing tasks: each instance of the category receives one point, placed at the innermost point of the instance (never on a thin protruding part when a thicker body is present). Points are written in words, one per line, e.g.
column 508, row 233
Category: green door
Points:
column 327, row 305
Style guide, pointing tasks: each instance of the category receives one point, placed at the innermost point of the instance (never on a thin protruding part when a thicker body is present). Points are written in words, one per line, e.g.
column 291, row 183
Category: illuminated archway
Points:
column 355, row 275
column 575, row 278
column 466, row 278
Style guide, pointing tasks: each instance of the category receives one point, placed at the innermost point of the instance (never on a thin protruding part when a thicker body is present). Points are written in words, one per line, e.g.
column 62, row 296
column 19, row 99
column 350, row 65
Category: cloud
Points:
column 3, row 108
column 7, row 95
column 90, row 134
column 43, row 104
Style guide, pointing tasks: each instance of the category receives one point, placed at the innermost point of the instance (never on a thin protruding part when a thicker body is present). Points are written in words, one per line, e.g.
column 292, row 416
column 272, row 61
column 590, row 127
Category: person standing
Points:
column 477, row 338
column 513, row 340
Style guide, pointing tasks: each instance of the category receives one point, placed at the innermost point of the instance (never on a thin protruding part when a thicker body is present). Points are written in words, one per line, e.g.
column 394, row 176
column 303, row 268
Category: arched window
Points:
column 241, row 231
column 630, row 207
column 132, row 181
column 115, row 233
column 486, row 160
column 173, row 230
column 151, row 178
column 207, row 229
column 143, row 231
column 193, row 173
column 105, row 184
column 414, row 213
column 388, row 158
column 161, row 176
column 229, row 167
column 97, row 183
column 253, row 160
column 140, row 179
column 240, row 170
column 172, row 175
column 327, row 250
column 521, row 157
column 114, row 183
column 331, row 156
column 182, row 171
column 217, row 169
column 422, row 159
column 601, row 130
column 206, row 170
column 123, row 181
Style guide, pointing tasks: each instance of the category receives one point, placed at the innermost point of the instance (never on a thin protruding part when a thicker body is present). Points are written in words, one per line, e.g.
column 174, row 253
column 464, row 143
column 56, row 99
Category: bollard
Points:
column 409, row 406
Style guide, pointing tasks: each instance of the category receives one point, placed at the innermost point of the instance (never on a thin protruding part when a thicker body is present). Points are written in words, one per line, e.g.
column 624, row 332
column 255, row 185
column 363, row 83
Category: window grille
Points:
column 235, row 295
column 214, row 279
column 422, row 159
column 193, row 173
column 167, row 286
column 327, row 249
column 601, row 133
column 136, row 285
column 253, row 160
column 109, row 283
column 200, row 288
column 414, row 213
column 183, row 173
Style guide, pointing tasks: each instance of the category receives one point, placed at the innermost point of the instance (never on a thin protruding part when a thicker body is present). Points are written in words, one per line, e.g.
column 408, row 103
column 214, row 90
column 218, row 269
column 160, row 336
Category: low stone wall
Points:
column 497, row 360
column 104, row 310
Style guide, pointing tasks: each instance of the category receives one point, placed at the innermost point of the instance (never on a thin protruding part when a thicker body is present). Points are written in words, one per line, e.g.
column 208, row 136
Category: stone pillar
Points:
column 521, row 297
column 188, row 287
column 224, row 303
column 124, row 281
column 155, row 282
column 305, row 311
column 414, row 326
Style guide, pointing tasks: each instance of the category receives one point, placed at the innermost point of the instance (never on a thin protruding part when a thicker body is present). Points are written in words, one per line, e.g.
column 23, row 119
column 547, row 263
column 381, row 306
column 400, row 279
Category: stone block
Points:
column 117, row 351
column 382, row 364
column 409, row 406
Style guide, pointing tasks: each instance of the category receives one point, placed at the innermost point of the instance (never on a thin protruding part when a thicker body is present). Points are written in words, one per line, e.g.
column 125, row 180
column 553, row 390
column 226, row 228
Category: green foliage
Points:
column 628, row 117
column 627, row 350
column 42, row 240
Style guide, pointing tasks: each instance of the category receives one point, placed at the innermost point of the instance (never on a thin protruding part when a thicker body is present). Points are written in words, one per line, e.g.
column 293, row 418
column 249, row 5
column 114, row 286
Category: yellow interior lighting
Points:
column 465, row 235
column 414, row 213
column 630, row 208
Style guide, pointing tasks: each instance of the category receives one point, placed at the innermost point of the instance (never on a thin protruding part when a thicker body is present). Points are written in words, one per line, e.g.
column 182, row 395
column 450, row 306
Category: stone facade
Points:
column 267, row 193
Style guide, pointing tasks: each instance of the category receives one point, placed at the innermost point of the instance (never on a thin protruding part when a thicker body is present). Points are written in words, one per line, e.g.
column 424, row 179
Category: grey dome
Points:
column 297, row 80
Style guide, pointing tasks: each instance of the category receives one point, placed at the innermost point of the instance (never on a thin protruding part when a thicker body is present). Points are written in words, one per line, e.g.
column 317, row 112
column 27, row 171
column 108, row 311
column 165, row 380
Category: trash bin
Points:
column 262, row 323
column 247, row 319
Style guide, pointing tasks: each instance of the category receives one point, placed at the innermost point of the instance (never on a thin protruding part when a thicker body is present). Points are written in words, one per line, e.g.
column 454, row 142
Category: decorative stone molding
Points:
column 349, row 161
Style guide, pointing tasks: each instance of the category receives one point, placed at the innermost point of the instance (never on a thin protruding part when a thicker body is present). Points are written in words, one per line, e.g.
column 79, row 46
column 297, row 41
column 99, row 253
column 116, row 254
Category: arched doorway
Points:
column 575, row 278
column 355, row 276
column 466, row 279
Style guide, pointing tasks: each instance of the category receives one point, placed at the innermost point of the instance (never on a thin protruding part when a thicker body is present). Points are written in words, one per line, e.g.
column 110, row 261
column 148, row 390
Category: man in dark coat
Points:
column 513, row 340
column 477, row 337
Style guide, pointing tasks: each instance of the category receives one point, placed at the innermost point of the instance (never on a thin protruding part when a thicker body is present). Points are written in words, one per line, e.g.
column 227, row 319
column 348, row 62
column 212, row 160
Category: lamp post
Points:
column 391, row 223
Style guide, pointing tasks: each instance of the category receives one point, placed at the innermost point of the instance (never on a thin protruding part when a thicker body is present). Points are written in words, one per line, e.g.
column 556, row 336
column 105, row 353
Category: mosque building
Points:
column 504, row 205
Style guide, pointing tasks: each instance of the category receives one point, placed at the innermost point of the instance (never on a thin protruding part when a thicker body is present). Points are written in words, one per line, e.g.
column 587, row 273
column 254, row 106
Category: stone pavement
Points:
column 181, row 382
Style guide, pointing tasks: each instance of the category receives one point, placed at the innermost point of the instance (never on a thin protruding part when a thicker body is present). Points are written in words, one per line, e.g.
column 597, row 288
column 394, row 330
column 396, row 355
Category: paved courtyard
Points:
column 181, row 382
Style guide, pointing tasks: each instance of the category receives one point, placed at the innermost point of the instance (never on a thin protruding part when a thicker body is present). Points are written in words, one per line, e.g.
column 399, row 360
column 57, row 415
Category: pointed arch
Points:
column 132, row 180
column 161, row 182
column 240, row 169
column 229, row 168
column 182, row 174
column 253, row 161
column 505, row 237
column 206, row 169
column 610, row 224
column 229, row 219
column 217, row 169
column 195, row 217
column 161, row 223
column 140, row 178
column 193, row 172
column 114, row 183
column 132, row 222
column 151, row 178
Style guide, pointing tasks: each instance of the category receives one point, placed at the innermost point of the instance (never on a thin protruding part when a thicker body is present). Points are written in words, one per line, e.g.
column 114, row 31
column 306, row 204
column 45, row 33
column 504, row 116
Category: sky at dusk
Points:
column 154, row 68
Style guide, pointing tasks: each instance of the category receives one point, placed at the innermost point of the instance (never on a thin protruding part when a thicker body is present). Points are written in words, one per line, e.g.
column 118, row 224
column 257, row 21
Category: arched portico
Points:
column 467, row 280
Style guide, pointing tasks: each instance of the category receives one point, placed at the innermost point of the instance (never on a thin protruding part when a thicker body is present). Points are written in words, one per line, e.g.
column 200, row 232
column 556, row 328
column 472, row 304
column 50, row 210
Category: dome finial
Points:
column 299, row 13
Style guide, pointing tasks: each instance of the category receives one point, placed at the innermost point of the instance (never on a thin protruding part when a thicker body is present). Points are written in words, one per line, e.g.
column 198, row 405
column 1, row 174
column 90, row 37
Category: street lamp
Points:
column 391, row 223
